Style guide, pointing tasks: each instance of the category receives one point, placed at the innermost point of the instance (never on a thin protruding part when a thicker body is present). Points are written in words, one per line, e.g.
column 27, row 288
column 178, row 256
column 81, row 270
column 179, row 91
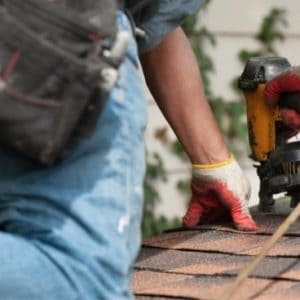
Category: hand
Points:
column 288, row 81
column 219, row 191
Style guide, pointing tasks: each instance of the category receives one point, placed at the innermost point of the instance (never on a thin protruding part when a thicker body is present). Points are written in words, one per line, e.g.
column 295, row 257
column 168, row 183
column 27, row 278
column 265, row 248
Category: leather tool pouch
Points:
column 56, row 67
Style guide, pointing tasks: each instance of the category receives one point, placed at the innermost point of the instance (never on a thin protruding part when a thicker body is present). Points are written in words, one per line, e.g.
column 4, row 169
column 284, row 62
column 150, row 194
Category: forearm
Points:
column 174, row 79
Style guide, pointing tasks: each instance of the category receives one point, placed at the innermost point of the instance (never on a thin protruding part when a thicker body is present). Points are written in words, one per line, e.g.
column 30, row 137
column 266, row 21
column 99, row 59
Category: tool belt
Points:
column 58, row 61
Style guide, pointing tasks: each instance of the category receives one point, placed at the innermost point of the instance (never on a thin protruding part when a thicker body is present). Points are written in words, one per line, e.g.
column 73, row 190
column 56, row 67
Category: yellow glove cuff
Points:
column 216, row 165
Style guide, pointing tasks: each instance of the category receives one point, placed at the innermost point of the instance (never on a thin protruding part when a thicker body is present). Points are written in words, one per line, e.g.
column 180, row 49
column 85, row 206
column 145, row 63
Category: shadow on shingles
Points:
column 268, row 288
column 200, row 229
column 226, row 226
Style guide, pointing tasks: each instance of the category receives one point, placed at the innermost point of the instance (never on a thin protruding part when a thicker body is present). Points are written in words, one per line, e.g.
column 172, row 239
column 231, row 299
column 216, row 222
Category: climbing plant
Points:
column 153, row 224
column 230, row 113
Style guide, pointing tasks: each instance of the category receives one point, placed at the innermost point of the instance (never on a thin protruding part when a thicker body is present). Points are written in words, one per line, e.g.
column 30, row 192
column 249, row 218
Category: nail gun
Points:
column 277, row 161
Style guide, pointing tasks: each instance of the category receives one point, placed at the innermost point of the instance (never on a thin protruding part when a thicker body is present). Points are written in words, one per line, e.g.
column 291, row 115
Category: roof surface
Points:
column 201, row 263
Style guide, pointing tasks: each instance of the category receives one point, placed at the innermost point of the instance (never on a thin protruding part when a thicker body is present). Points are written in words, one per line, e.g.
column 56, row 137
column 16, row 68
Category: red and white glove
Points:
column 288, row 81
column 219, row 191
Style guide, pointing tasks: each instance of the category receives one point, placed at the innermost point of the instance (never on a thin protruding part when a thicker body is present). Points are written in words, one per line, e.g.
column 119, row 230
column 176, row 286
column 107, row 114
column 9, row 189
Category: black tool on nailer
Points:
column 277, row 160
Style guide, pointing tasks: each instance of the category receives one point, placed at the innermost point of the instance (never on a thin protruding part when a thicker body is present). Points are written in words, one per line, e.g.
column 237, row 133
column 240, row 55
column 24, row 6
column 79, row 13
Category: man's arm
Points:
column 173, row 77
column 219, row 187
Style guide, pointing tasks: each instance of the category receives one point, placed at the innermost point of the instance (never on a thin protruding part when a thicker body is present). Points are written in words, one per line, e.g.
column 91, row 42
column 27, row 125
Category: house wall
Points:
column 234, row 23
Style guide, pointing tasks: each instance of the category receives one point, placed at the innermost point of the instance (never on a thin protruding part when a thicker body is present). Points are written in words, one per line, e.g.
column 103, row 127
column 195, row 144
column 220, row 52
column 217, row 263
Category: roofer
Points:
column 72, row 230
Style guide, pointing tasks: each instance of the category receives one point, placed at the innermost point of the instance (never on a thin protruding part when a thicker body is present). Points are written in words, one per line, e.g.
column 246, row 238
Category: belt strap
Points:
column 136, row 6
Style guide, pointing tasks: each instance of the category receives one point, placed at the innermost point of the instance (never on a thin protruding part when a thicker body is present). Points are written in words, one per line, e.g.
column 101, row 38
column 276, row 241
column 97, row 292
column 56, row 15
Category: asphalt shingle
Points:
column 201, row 263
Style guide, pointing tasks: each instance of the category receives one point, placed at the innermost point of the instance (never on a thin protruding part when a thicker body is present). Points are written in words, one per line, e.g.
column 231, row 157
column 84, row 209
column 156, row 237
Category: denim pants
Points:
column 72, row 231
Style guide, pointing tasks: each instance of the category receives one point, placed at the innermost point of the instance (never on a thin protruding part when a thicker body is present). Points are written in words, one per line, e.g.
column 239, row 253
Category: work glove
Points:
column 287, row 82
column 219, row 191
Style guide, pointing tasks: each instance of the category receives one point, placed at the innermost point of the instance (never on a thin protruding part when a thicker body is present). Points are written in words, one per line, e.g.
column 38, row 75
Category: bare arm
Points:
column 174, row 79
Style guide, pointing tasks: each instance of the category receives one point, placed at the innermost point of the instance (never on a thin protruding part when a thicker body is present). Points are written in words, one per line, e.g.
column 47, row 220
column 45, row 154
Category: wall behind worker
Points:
column 234, row 23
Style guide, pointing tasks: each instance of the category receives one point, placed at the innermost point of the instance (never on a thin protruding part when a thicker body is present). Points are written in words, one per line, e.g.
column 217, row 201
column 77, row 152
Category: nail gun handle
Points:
column 290, row 100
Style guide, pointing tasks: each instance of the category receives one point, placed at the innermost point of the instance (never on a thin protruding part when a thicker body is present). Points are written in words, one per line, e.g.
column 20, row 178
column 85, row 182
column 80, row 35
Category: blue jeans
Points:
column 72, row 231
